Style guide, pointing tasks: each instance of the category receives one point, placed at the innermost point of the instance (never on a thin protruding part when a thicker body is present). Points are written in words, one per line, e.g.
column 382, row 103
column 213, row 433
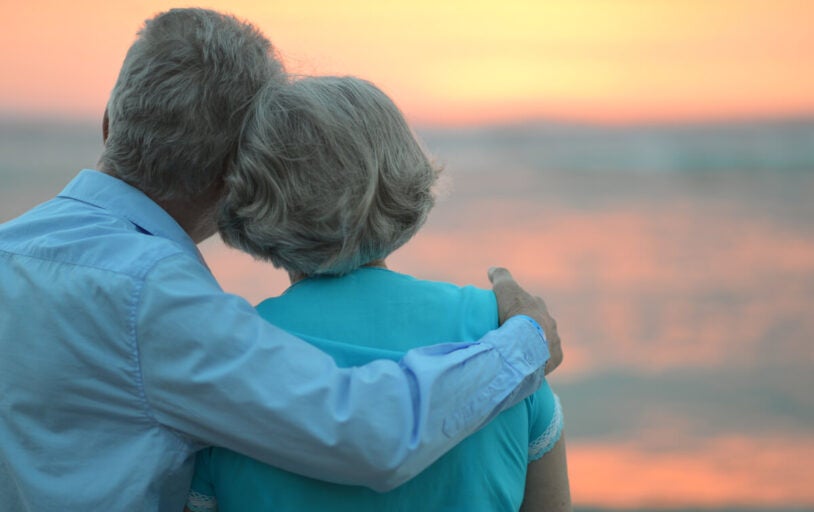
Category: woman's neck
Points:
column 295, row 277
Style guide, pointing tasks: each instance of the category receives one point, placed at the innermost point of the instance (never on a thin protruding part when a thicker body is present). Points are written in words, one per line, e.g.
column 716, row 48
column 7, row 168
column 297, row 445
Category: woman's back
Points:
column 373, row 313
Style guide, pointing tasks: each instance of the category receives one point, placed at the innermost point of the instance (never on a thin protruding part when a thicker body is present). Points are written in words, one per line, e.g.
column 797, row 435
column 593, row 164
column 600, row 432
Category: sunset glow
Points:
column 717, row 472
column 676, row 253
column 462, row 62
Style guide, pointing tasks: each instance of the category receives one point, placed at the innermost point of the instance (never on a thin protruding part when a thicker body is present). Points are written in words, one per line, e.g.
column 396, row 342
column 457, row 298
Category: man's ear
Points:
column 105, row 126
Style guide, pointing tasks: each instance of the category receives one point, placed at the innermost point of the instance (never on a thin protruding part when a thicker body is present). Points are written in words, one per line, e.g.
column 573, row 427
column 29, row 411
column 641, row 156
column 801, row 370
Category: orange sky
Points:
column 461, row 62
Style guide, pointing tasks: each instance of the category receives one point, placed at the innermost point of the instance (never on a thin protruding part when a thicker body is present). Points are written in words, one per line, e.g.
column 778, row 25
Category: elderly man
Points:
column 120, row 355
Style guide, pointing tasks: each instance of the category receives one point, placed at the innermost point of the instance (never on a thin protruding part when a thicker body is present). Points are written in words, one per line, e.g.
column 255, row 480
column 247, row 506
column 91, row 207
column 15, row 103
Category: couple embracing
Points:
column 130, row 381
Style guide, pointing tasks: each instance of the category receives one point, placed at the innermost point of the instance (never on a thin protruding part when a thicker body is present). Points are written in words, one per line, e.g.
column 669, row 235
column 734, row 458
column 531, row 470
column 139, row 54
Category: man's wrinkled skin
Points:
column 513, row 300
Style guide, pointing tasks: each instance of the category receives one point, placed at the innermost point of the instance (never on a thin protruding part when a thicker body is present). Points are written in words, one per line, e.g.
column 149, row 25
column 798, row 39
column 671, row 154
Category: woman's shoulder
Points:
column 467, row 295
column 377, row 285
column 472, row 309
column 385, row 303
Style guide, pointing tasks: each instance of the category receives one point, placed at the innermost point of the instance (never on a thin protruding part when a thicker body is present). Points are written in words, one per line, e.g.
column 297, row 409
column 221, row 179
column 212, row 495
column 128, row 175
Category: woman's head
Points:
column 327, row 177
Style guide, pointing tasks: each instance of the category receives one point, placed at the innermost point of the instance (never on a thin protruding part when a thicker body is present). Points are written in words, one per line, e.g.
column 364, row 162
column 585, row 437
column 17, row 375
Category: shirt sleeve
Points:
column 545, row 422
column 201, row 497
column 213, row 370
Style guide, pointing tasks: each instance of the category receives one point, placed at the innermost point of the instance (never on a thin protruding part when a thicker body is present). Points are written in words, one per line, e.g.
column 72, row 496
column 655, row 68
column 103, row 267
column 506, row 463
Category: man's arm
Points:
column 215, row 371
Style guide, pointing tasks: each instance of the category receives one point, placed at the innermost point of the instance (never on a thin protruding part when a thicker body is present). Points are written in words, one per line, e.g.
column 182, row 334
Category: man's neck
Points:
column 196, row 216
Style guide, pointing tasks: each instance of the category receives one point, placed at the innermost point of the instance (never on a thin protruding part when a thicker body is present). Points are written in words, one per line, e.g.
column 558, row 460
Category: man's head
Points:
column 328, row 177
column 175, row 112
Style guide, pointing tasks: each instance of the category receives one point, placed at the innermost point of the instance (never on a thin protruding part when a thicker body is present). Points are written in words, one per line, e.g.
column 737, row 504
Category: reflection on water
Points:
column 682, row 285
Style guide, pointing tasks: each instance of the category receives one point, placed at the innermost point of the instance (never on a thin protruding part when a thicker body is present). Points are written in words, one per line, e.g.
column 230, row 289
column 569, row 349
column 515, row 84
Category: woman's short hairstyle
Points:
column 328, row 177
column 180, row 98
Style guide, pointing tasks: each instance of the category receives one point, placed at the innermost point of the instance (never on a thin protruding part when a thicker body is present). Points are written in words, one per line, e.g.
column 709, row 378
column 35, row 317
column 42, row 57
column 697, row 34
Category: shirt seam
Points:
column 138, row 273
column 134, row 349
column 136, row 352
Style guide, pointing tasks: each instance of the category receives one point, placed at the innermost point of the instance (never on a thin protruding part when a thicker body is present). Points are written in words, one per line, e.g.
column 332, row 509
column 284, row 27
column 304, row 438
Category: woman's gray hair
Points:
column 178, row 104
column 328, row 177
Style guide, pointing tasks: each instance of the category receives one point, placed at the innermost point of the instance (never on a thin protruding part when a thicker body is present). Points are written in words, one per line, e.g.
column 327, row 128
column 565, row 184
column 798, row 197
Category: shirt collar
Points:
column 110, row 193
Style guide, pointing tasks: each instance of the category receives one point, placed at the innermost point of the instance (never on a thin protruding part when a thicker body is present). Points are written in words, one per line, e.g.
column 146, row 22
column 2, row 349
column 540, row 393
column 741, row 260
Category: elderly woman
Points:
column 329, row 181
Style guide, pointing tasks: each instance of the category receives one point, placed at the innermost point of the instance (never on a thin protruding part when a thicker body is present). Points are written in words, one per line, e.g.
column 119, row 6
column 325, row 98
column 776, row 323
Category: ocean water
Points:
column 678, row 261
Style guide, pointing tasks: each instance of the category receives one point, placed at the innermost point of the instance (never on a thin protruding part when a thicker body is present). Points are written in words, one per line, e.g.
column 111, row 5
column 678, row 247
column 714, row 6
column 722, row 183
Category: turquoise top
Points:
column 384, row 314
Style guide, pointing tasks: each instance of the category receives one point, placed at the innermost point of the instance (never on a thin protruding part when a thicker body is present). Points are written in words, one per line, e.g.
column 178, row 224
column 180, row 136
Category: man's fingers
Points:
column 498, row 275
column 512, row 299
column 504, row 284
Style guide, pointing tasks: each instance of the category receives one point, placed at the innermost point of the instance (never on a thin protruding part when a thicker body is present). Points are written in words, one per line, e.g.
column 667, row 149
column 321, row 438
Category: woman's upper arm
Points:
column 547, row 486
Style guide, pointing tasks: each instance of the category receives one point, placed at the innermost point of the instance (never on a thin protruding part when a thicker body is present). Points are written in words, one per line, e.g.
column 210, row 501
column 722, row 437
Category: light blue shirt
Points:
column 373, row 313
column 120, row 356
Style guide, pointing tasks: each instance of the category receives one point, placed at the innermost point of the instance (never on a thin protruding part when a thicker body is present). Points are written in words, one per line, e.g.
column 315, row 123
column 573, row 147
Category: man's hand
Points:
column 513, row 300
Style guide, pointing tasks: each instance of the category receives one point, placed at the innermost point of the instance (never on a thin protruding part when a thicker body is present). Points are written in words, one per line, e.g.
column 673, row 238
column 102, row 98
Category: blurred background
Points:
column 647, row 166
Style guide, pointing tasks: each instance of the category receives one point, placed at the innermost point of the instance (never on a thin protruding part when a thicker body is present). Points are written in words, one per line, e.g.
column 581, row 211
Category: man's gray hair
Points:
column 178, row 104
column 328, row 177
